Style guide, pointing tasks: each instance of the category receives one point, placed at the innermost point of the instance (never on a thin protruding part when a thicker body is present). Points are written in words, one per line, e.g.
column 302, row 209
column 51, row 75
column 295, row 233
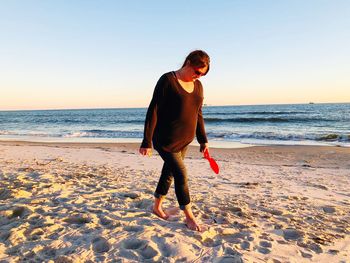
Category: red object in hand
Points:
column 213, row 165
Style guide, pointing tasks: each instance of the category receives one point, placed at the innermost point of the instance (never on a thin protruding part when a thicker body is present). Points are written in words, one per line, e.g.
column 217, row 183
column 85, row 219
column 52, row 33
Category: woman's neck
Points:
column 182, row 74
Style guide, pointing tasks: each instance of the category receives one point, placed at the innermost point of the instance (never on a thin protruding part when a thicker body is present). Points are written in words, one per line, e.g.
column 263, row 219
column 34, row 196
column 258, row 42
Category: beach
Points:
column 92, row 202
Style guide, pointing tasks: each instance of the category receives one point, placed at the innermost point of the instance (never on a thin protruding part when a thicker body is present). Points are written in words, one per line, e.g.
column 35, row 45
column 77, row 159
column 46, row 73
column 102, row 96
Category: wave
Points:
column 98, row 120
column 267, row 119
column 7, row 132
column 332, row 137
column 225, row 136
column 256, row 113
column 76, row 134
column 104, row 134
column 29, row 133
column 88, row 121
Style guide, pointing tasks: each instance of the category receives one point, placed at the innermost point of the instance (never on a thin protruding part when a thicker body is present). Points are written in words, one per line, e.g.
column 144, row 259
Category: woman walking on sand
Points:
column 173, row 119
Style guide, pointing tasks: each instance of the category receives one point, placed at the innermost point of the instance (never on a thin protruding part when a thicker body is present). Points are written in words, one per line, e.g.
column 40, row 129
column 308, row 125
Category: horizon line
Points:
column 204, row 105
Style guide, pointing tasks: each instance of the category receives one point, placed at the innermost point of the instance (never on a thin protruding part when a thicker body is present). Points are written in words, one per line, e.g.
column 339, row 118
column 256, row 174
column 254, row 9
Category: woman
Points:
column 173, row 119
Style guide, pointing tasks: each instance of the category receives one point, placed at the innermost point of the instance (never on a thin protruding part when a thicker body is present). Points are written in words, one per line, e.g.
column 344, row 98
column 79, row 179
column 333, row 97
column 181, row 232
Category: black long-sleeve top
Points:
column 174, row 116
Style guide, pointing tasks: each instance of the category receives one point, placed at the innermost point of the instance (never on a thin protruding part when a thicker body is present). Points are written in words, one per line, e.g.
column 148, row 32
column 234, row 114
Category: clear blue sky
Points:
column 91, row 54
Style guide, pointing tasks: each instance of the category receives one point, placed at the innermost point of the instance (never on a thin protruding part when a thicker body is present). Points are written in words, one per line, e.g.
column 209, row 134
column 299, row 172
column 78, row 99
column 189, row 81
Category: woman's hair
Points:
column 198, row 59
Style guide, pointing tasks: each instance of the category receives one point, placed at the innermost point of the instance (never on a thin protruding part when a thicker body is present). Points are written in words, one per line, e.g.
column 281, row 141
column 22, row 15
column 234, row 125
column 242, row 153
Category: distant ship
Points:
column 311, row 102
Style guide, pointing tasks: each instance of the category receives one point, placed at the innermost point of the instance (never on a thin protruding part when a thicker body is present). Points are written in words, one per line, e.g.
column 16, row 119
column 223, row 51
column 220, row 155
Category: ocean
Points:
column 294, row 124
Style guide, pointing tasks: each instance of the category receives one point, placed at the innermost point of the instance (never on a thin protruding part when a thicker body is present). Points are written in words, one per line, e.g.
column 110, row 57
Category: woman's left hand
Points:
column 203, row 147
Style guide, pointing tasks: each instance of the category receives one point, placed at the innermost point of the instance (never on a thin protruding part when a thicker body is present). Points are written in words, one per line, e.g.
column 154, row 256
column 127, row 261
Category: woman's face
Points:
column 198, row 72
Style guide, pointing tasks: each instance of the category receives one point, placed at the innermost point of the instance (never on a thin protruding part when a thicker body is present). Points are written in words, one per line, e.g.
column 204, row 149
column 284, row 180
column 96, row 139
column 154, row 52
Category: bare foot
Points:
column 160, row 213
column 192, row 224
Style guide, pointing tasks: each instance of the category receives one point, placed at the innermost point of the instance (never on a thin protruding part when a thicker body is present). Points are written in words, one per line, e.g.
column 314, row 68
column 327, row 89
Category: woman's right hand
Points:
column 146, row 151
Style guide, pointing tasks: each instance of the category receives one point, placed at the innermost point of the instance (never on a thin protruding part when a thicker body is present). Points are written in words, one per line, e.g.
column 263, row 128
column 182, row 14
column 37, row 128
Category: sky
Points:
column 109, row 54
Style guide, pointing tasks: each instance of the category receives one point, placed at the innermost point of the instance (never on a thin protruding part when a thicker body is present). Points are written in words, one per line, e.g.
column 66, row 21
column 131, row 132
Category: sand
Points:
column 92, row 203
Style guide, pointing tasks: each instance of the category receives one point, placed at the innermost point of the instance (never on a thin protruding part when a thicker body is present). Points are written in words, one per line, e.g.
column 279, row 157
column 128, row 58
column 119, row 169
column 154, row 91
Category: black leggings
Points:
column 174, row 168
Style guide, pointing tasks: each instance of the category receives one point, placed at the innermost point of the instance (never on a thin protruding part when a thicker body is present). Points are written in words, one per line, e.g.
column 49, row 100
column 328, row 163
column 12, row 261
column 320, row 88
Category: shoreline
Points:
column 285, row 155
column 215, row 144
column 111, row 143
column 219, row 144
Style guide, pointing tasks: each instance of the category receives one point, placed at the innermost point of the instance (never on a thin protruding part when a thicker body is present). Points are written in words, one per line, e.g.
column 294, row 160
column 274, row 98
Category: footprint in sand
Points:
column 104, row 220
column 134, row 243
column 64, row 259
column 100, row 245
column 77, row 219
column 28, row 256
column 34, row 234
column 275, row 212
column 133, row 228
column 315, row 248
column 169, row 235
column 305, row 255
column 229, row 259
column 292, row 234
column 174, row 248
column 39, row 221
column 234, row 237
column 266, row 236
column 5, row 194
column 143, row 204
column 131, row 195
column 164, row 246
column 230, row 251
column 48, row 252
column 265, row 244
column 329, row 209
column 109, row 223
column 264, row 250
column 145, row 222
column 4, row 235
column 209, row 242
column 149, row 252
column 245, row 245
